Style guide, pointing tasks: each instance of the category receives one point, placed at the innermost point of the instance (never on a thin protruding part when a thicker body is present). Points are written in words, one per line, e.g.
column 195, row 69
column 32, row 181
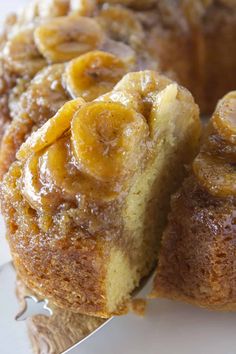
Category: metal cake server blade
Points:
column 15, row 333
column 93, row 342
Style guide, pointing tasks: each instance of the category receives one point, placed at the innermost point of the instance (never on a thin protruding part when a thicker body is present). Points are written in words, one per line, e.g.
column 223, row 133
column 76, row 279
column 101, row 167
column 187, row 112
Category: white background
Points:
column 168, row 328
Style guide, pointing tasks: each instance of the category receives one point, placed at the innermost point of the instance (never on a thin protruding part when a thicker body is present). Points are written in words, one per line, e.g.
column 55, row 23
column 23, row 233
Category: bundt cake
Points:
column 86, row 202
column 42, row 67
column 183, row 39
column 197, row 258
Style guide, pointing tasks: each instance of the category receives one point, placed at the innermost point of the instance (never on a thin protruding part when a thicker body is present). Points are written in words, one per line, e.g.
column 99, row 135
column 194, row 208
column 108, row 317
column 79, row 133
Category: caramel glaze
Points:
column 183, row 39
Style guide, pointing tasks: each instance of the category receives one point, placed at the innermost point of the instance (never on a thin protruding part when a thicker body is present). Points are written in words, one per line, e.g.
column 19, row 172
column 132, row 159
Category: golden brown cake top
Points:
column 48, row 32
column 94, row 150
column 57, row 50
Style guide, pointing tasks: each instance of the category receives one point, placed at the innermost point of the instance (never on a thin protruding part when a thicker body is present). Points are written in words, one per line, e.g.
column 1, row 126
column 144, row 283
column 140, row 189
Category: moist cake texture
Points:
column 197, row 258
column 86, row 202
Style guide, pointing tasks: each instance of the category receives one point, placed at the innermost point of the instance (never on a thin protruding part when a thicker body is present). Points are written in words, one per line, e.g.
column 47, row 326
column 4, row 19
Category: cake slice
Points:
column 86, row 202
column 197, row 258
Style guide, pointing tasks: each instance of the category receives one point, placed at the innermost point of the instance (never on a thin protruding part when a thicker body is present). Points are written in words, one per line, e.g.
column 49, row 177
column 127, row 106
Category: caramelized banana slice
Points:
column 40, row 197
column 131, row 100
column 53, row 8
column 57, row 168
column 122, row 51
column 144, row 82
column 21, row 54
column 51, row 130
column 224, row 118
column 162, row 108
column 219, row 147
column 93, row 74
column 54, row 165
column 218, row 177
column 31, row 188
column 108, row 140
column 83, row 7
column 65, row 38
column 122, row 25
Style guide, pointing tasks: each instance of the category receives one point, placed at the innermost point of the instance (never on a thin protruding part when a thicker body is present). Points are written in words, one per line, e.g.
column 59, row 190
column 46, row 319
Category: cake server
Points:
column 92, row 343
column 13, row 320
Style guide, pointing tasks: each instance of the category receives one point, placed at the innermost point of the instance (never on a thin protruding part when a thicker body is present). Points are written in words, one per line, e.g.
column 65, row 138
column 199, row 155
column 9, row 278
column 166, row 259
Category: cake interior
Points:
column 147, row 204
column 89, row 256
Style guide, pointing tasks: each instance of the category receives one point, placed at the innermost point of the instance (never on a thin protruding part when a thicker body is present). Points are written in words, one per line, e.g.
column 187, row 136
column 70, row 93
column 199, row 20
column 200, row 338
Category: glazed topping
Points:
column 215, row 166
column 83, row 7
column 220, row 147
column 50, row 178
column 224, row 118
column 130, row 32
column 31, row 187
column 130, row 99
column 93, row 74
column 51, row 130
column 65, row 38
column 53, row 8
column 217, row 176
column 106, row 138
column 21, row 54
column 93, row 150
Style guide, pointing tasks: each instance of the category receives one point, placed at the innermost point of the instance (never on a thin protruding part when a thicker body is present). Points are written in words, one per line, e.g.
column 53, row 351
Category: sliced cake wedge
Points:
column 86, row 202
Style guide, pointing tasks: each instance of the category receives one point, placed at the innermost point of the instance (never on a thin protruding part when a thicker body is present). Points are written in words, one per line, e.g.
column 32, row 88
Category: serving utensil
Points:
column 34, row 306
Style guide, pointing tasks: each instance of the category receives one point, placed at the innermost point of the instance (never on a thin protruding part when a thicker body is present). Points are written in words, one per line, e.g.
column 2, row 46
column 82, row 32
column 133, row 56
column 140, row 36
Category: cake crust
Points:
column 197, row 258
column 196, row 264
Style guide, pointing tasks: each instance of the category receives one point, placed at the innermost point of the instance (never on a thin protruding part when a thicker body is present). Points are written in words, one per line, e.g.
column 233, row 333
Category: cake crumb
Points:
column 138, row 307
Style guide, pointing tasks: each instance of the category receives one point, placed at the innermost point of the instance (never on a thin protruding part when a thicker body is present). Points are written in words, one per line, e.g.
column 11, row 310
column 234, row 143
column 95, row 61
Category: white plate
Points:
column 168, row 328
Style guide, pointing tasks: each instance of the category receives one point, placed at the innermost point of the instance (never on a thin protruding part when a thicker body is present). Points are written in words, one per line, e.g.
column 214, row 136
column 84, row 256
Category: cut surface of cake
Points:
column 86, row 202
column 197, row 257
